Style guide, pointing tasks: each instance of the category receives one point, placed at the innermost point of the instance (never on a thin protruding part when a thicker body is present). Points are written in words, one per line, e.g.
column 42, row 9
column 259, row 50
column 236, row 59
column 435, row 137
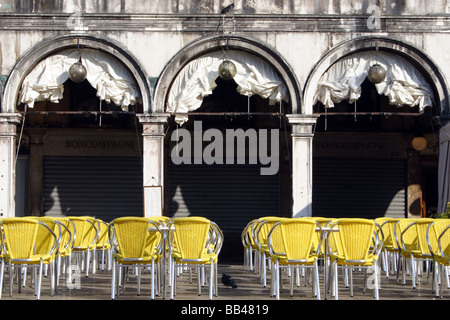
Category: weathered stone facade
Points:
column 155, row 39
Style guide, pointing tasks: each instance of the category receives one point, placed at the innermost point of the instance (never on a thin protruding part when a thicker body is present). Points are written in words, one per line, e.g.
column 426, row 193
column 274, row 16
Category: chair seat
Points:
column 144, row 260
column 205, row 259
column 341, row 260
column 282, row 260
column 35, row 259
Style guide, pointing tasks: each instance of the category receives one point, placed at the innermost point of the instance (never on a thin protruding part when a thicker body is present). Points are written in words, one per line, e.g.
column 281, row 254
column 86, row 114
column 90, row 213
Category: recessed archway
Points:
column 54, row 45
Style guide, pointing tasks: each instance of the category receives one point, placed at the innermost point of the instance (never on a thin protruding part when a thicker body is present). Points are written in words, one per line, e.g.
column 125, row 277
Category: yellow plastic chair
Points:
column 407, row 238
column 390, row 251
column 135, row 241
column 45, row 242
column 249, row 245
column 425, row 254
column 444, row 256
column 102, row 246
column 19, row 243
column 290, row 242
column 261, row 231
column 359, row 247
column 193, row 244
column 438, row 240
column 85, row 237
column 64, row 254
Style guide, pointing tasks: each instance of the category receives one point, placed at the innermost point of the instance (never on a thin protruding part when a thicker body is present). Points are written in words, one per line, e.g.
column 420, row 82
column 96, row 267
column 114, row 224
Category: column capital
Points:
column 11, row 118
column 153, row 118
column 302, row 119
column 302, row 124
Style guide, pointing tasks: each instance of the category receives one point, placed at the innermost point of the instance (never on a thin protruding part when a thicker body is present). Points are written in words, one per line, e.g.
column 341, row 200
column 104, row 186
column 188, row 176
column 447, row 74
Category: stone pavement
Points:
column 98, row 287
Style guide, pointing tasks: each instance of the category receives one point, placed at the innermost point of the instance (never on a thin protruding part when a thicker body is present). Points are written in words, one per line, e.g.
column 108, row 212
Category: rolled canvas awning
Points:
column 404, row 84
column 197, row 80
column 113, row 82
column 444, row 168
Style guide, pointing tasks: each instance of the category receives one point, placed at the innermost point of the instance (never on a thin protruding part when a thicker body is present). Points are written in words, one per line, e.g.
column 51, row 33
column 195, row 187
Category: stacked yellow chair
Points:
column 249, row 245
column 136, row 243
column 357, row 248
column 406, row 236
column 45, row 243
column 261, row 231
column 102, row 246
column 438, row 240
column 291, row 243
column 390, row 247
column 19, row 237
column 194, row 242
column 63, row 260
column 85, row 237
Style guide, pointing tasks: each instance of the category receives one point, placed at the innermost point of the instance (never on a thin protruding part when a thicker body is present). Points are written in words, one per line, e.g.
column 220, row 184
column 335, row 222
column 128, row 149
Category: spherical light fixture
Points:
column 376, row 74
column 227, row 70
column 419, row 143
column 77, row 72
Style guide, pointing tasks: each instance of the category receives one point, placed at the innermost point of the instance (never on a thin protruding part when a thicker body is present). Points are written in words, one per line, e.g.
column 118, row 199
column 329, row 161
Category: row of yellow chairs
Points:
column 47, row 243
column 396, row 245
column 298, row 243
column 411, row 244
column 190, row 242
column 131, row 243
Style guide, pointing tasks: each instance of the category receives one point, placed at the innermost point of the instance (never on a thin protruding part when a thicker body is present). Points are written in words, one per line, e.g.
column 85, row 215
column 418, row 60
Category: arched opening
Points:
column 366, row 162
column 227, row 158
column 80, row 142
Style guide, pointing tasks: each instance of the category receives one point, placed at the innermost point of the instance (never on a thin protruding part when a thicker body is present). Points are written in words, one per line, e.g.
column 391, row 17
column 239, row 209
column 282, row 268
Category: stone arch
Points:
column 414, row 55
column 235, row 42
column 51, row 46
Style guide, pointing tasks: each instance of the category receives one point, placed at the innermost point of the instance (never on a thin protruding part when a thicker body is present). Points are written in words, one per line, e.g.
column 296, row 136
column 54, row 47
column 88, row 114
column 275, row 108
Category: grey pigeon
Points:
column 228, row 281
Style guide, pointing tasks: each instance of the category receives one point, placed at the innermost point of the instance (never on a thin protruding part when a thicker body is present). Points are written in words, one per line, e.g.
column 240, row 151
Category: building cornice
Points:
column 209, row 23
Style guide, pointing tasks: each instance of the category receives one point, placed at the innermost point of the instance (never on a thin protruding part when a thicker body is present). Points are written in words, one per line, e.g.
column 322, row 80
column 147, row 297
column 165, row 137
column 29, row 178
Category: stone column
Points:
column 153, row 154
column 302, row 147
column 8, row 137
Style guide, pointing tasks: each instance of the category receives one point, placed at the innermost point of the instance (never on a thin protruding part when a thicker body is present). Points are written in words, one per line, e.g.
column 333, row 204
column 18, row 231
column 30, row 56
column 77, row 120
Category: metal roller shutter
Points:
column 364, row 188
column 104, row 187
column 230, row 195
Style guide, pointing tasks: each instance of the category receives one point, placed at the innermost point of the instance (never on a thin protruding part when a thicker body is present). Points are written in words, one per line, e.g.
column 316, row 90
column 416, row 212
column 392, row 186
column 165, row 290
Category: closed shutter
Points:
column 103, row 187
column 230, row 195
column 363, row 188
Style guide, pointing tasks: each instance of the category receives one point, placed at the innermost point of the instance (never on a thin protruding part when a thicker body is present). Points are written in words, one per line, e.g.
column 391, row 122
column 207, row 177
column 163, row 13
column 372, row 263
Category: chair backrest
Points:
column 130, row 236
column 263, row 227
column 85, row 231
column 246, row 235
column 19, row 236
column 189, row 236
column 422, row 229
column 383, row 222
column 102, row 230
column 297, row 236
column 355, row 237
column 434, row 230
column 406, row 234
column 444, row 242
column 67, row 234
column 45, row 241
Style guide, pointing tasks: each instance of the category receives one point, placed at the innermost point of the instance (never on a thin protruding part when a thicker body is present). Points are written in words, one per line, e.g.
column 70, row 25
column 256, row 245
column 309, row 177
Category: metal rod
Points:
column 75, row 112
column 405, row 114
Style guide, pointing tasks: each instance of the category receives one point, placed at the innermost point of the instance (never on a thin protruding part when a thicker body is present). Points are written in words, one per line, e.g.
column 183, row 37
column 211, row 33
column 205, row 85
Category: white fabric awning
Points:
column 444, row 168
column 113, row 82
column 404, row 85
column 197, row 80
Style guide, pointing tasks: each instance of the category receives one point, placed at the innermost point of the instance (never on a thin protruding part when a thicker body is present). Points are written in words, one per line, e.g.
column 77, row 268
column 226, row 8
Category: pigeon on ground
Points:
column 228, row 281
